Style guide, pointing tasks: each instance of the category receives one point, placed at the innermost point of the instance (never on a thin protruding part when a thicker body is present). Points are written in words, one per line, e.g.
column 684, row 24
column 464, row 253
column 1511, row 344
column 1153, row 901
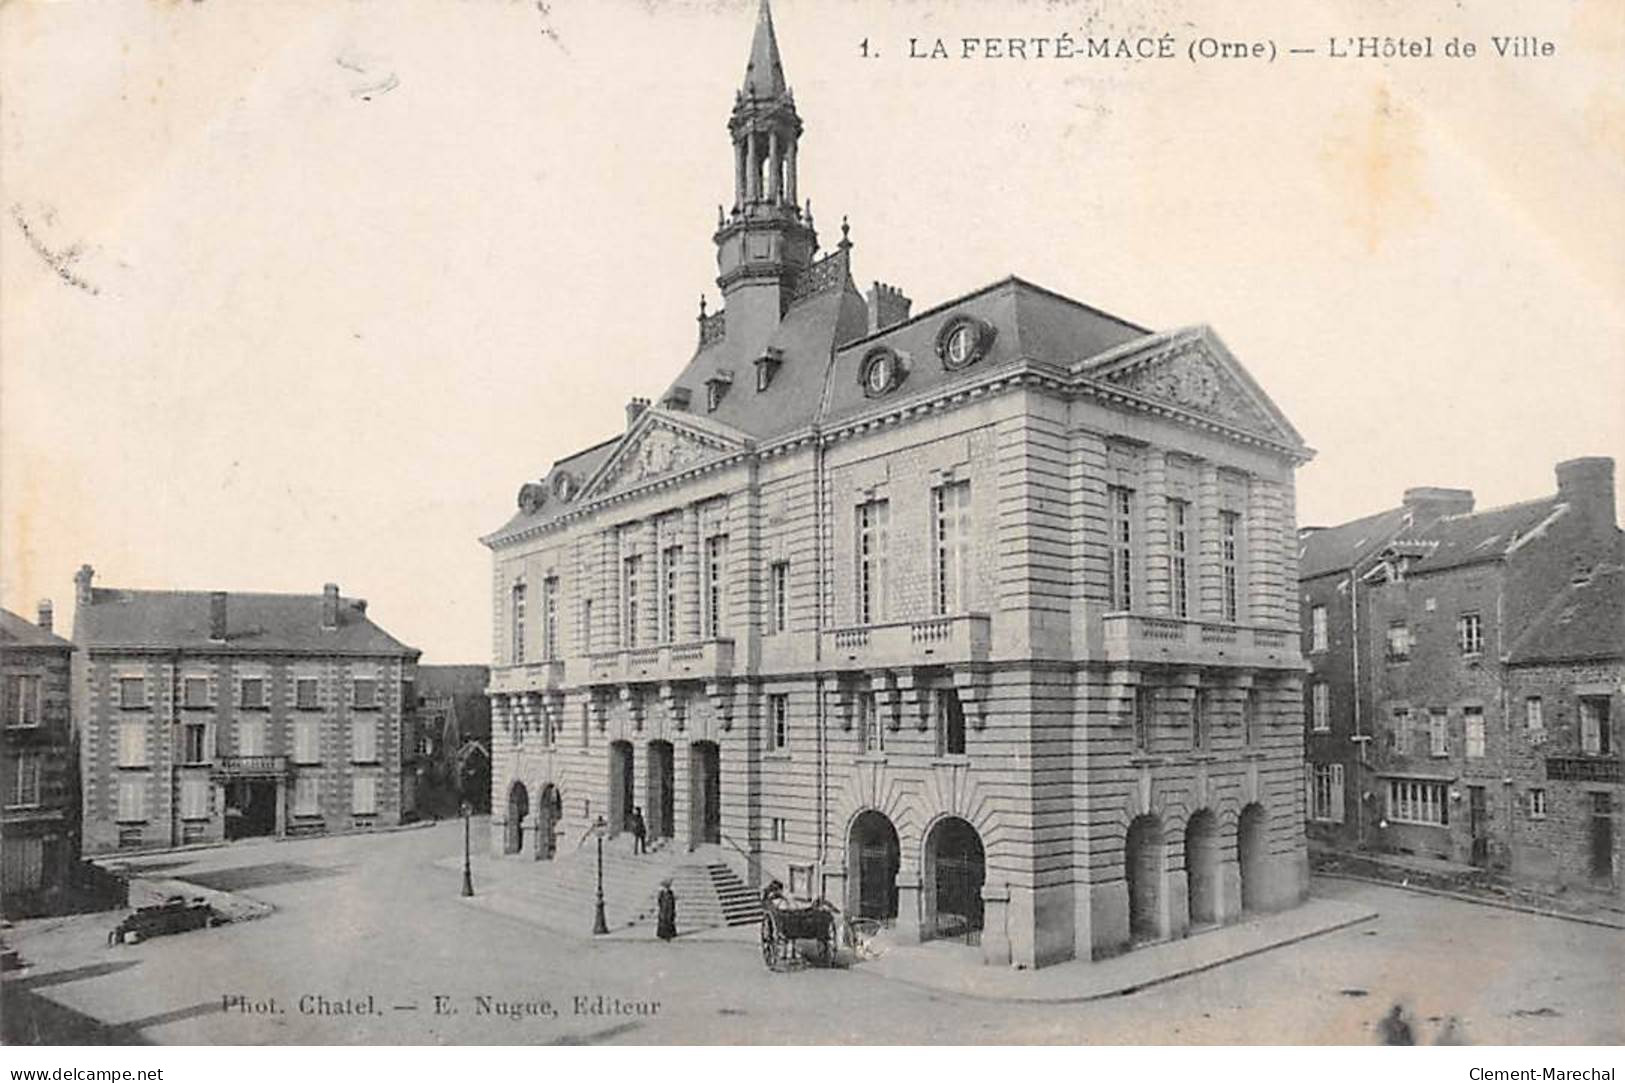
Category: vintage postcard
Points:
column 813, row 523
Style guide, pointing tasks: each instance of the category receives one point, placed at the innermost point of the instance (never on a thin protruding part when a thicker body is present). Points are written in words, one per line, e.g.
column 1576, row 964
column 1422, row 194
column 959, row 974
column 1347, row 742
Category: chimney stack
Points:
column 330, row 605
column 634, row 410
column 81, row 582
column 217, row 616
column 1588, row 484
column 1429, row 502
column 887, row 307
column 45, row 614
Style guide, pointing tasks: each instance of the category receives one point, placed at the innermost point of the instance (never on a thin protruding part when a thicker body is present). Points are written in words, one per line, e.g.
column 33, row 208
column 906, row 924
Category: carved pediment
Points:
column 1195, row 372
column 653, row 449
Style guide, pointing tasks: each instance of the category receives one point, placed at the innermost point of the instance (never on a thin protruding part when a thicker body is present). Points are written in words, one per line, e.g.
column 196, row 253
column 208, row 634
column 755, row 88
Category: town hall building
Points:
column 981, row 621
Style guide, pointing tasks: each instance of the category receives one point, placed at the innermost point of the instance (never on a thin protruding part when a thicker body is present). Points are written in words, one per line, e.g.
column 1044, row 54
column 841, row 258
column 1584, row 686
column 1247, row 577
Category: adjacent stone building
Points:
column 38, row 768
column 979, row 620
column 223, row 715
column 1447, row 621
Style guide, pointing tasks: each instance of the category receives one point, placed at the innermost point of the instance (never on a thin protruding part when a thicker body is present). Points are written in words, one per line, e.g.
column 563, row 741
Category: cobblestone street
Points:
column 369, row 943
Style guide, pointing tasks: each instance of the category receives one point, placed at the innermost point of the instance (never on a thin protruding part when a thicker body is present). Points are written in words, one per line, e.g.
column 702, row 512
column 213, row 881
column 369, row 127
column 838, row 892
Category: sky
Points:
column 302, row 293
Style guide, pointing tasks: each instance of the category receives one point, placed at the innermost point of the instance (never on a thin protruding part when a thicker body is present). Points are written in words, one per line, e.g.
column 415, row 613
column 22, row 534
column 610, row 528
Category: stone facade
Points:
column 210, row 717
column 913, row 641
column 38, row 778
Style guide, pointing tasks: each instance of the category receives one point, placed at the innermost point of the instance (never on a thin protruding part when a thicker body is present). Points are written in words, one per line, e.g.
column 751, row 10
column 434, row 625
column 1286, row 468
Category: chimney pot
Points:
column 634, row 410
column 217, row 616
column 887, row 307
column 45, row 614
column 330, row 605
column 82, row 579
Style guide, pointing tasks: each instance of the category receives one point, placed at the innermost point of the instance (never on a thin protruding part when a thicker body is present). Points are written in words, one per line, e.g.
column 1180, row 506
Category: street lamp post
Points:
column 468, row 869
column 599, row 925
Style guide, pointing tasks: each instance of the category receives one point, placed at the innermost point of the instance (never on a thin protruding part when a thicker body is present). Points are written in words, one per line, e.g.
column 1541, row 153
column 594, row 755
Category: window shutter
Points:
column 1337, row 793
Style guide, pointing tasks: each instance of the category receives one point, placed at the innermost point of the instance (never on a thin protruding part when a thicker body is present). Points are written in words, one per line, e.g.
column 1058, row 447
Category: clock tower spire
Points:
column 765, row 241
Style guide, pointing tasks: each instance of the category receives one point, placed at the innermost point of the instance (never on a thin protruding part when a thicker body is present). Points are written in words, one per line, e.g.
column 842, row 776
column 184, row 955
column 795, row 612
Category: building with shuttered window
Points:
column 226, row 715
column 979, row 620
column 39, row 785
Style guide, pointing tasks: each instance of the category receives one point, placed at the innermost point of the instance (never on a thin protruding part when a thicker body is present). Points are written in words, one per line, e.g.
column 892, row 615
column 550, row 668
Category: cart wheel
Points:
column 769, row 951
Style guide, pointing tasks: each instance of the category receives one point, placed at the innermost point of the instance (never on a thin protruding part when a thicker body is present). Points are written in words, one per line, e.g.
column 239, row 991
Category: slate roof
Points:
column 255, row 623
column 1339, row 548
column 1584, row 622
column 18, row 631
column 764, row 72
column 1474, row 537
column 434, row 681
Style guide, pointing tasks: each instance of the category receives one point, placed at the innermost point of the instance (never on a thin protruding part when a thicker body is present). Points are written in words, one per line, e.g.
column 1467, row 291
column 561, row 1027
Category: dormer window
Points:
column 715, row 388
column 882, row 370
column 678, row 398
column 766, row 366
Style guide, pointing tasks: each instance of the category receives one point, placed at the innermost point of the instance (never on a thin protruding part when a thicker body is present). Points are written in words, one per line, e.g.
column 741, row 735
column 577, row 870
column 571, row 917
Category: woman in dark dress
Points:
column 666, row 927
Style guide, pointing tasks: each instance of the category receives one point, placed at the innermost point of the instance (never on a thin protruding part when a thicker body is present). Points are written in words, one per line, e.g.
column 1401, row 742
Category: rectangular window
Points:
column 1399, row 641
column 778, row 597
column 307, row 795
column 132, row 744
column 307, row 746
column 1595, row 738
column 779, row 829
column 132, row 693
column 24, row 699
column 1230, row 564
column 1399, row 732
column 193, row 749
column 251, row 737
column 1537, row 804
column 517, row 615
column 1438, row 733
column 631, row 567
column 25, row 788
column 1470, row 633
column 671, row 572
column 1145, row 707
column 364, row 795
column 550, row 617
column 1120, row 551
column 1321, row 706
column 1326, row 793
column 1317, row 628
column 778, row 720
column 1534, row 717
column 873, row 519
column 194, row 799
column 586, row 626
column 716, row 579
column 869, row 723
column 1179, row 563
column 305, row 693
column 1411, row 801
column 132, row 798
column 1249, row 717
column 950, row 534
column 195, row 692
column 365, row 693
column 364, row 740
column 950, row 723
column 1473, row 725
column 252, row 693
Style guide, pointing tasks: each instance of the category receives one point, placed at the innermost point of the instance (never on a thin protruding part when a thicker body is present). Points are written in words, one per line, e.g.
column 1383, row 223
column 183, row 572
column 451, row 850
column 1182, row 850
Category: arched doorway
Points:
column 1251, row 850
column 1143, row 864
column 872, row 859
column 704, row 793
column 549, row 809
column 620, row 786
column 518, row 808
column 658, row 786
column 955, row 868
column 1202, row 867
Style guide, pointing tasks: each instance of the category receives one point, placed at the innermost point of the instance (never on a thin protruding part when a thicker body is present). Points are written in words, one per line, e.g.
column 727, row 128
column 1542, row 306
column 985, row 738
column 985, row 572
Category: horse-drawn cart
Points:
column 816, row 934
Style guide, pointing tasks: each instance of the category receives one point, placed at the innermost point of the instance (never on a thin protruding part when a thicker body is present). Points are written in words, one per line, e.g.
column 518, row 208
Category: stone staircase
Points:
column 561, row 893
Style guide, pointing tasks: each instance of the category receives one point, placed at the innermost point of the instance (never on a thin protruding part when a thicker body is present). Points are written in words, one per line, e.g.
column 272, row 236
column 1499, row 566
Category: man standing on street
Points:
column 640, row 833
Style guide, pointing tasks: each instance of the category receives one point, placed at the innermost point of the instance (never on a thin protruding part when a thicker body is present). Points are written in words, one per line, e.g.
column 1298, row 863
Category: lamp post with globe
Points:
column 599, row 925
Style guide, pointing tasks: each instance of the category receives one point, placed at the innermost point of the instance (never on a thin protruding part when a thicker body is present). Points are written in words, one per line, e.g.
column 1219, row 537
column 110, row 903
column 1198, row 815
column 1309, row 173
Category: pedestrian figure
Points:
column 666, row 901
column 640, row 833
column 1394, row 1028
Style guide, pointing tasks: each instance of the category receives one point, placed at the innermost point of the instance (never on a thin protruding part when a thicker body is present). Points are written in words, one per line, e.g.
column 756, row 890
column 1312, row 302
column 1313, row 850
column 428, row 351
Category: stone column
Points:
column 910, row 918
column 790, row 174
column 995, row 932
column 774, row 163
column 739, row 174
column 753, row 169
